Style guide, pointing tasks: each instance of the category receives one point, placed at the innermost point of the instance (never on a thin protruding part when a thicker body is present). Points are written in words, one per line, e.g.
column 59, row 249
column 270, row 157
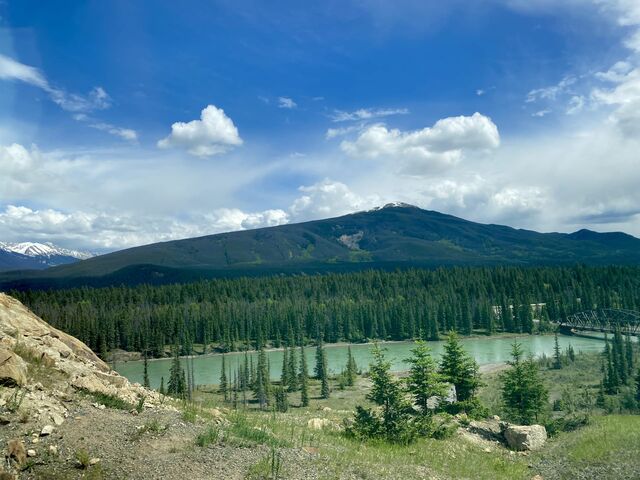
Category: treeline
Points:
column 233, row 314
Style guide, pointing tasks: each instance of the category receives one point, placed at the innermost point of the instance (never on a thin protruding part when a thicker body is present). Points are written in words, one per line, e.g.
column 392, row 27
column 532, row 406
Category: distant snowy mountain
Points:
column 37, row 256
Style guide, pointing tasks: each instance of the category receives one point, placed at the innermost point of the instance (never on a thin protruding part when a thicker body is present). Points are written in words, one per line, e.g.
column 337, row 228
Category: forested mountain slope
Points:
column 391, row 236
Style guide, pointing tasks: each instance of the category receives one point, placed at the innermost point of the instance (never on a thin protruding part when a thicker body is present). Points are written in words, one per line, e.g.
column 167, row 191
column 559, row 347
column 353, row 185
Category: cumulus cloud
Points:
column 213, row 134
column 366, row 114
column 432, row 148
column 285, row 102
column 328, row 198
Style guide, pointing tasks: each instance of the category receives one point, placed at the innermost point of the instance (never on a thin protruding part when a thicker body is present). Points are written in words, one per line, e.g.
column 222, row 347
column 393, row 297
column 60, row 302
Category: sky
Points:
column 130, row 122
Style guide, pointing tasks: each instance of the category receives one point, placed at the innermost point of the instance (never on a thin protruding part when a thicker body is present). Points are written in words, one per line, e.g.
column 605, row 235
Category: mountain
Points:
column 37, row 256
column 396, row 235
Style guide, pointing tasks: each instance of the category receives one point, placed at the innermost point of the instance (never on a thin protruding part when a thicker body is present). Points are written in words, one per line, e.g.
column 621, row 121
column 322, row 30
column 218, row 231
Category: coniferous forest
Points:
column 235, row 314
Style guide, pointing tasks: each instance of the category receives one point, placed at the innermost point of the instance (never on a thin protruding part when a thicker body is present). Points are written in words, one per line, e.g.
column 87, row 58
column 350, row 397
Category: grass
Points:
column 211, row 435
column 608, row 446
column 268, row 468
column 151, row 426
column 109, row 401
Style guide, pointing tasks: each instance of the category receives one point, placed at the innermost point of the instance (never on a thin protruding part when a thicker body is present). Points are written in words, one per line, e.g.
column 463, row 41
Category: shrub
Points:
column 212, row 435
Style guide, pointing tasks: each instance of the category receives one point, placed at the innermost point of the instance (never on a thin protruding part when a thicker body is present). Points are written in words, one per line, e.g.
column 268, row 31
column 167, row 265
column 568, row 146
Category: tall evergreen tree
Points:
column 423, row 381
column 387, row 393
column 262, row 386
column 145, row 377
column 162, row 390
column 459, row 368
column 557, row 355
column 292, row 370
column 523, row 392
column 177, row 385
column 284, row 377
column 304, row 379
column 321, row 371
column 351, row 370
column 223, row 386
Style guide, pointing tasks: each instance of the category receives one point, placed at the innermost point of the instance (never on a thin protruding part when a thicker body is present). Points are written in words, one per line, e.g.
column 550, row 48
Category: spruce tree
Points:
column 292, row 370
column 523, row 392
column 321, row 370
column 304, row 379
column 638, row 385
column 145, row 380
column 557, row 356
column 387, row 393
column 459, row 368
column 262, row 386
column 282, row 402
column 351, row 370
column 224, row 386
column 423, row 381
column 162, row 391
column 284, row 377
column 177, row 383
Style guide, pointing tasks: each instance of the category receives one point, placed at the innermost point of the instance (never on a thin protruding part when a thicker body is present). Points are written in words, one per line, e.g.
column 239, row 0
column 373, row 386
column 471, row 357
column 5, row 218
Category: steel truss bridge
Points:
column 604, row 320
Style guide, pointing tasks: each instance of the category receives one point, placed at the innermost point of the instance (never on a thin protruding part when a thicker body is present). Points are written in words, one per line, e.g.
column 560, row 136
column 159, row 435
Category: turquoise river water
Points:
column 486, row 351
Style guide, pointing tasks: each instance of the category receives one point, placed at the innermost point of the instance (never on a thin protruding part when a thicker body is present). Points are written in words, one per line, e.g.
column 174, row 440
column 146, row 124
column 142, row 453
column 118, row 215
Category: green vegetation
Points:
column 109, row 401
column 244, row 313
column 524, row 394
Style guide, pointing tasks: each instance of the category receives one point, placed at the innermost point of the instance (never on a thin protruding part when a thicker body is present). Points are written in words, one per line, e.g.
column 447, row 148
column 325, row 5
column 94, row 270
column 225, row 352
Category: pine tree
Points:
column 292, row 370
column 351, row 371
column 321, row 370
column 304, row 379
column 224, row 387
column 162, row 391
column 638, row 385
column 262, row 386
column 282, row 402
column 145, row 381
column 460, row 369
column 423, row 381
column 284, row 377
column 557, row 356
column 387, row 393
column 523, row 392
column 177, row 383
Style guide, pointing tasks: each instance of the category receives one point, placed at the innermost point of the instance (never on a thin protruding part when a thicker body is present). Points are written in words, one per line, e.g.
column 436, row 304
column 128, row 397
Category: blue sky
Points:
column 506, row 111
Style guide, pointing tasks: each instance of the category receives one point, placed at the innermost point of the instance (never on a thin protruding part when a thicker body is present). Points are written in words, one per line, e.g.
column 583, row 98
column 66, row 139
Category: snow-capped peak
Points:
column 47, row 250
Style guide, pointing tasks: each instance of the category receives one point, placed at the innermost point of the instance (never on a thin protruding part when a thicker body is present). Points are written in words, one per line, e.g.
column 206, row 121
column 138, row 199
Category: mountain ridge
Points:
column 394, row 235
column 37, row 256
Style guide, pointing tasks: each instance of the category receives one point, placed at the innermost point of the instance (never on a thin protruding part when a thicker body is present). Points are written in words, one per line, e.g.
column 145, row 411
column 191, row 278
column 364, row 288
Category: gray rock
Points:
column 13, row 369
column 46, row 430
column 525, row 437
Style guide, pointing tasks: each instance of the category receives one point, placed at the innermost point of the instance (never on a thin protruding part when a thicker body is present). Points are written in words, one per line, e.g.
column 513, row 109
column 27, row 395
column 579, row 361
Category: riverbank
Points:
column 124, row 356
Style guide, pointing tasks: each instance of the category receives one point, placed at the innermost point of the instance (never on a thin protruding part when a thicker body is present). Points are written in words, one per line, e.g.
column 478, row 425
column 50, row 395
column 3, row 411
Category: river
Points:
column 486, row 351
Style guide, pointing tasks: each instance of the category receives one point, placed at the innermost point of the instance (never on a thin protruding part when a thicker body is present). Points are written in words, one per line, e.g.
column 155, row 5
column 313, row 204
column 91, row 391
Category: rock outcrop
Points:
column 29, row 344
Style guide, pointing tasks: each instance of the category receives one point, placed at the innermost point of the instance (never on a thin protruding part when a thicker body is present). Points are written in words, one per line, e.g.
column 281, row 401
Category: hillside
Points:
column 392, row 236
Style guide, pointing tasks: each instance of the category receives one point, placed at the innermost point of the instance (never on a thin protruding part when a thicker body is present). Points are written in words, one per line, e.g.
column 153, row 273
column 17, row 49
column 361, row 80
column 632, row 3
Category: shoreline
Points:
column 333, row 345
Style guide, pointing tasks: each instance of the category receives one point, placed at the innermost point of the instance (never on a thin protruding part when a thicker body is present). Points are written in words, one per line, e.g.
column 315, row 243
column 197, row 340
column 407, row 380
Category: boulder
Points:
column 13, row 369
column 525, row 437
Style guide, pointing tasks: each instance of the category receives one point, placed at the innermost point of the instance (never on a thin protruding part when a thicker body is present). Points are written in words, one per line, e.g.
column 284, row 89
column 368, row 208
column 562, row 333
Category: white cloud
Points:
column 285, row 102
column 552, row 92
column 541, row 113
column 124, row 133
column 366, row 114
column 328, row 198
column 576, row 105
column 97, row 99
column 432, row 148
column 213, row 134
column 340, row 132
column 12, row 70
column 480, row 92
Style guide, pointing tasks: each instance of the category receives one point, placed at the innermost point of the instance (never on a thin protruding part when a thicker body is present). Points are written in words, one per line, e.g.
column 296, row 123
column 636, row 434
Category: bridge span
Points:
column 606, row 320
